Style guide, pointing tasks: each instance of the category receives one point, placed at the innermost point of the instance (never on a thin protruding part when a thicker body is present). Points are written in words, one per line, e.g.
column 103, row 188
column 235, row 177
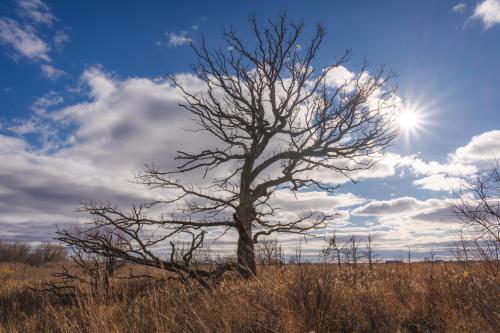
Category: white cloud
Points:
column 480, row 149
column 439, row 182
column 340, row 76
column 23, row 128
column 36, row 10
column 407, row 221
column 385, row 165
column 315, row 200
column 479, row 153
column 51, row 72
column 91, row 148
column 488, row 12
column 409, row 210
column 60, row 38
column 23, row 40
column 399, row 206
column 49, row 100
column 459, row 7
column 420, row 167
column 123, row 124
column 175, row 40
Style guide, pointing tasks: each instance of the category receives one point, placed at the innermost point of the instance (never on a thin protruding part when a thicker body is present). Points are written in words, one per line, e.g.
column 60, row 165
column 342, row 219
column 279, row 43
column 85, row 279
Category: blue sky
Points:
column 63, row 64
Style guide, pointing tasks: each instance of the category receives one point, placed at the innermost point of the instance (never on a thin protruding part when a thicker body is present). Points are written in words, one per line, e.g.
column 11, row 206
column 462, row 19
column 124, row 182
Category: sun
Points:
column 409, row 120
column 412, row 121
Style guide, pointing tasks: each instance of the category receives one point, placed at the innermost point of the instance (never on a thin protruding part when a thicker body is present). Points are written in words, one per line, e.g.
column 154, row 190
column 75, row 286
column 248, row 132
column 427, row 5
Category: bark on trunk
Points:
column 245, row 252
column 244, row 217
column 246, row 257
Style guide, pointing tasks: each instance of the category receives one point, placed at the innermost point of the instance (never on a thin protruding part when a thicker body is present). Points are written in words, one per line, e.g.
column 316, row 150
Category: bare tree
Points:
column 279, row 123
column 334, row 250
column 479, row 210
column 93, row 268
column 22, row 252
column 270, row 252
column 408, row 256
column 352, row 251
column 370, row 251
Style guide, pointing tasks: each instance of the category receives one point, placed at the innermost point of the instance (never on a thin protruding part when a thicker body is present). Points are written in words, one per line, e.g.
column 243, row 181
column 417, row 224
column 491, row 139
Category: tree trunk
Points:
column 246, row 256
column 244, row 217
column 245, row 252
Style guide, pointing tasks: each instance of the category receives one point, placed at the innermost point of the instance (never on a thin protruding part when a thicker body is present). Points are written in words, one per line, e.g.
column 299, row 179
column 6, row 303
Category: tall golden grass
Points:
column 423, row 297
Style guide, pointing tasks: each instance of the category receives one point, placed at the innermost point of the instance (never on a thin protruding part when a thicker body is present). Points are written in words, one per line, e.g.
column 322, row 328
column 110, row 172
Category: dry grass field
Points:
column 421, row 297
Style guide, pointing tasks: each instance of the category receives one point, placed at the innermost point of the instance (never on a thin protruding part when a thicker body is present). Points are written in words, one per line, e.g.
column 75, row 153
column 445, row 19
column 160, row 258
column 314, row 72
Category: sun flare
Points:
column 412, row 121
column 409, row 120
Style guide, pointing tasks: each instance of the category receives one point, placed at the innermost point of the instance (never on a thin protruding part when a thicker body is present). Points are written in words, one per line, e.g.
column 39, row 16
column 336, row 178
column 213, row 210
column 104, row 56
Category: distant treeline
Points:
column 34, row 256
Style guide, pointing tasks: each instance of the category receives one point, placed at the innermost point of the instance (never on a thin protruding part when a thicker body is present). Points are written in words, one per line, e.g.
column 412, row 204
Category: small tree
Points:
column 370, row 251
column 352, row 251
column 47, row 253
column 479, row 210
column 94, row 269
column 334, row 250
column 279, row 124
column 270, row 252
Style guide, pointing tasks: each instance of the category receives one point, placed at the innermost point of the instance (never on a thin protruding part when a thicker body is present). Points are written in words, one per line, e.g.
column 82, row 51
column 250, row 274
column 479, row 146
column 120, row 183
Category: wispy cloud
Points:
column 488, row 12
column 37, row 11
column 175, row 39
column 184, row 37
column 60, row 38
column 49, row 100
column 50, row 72
column 179, row 39
column 459, row 8
column 23, row 40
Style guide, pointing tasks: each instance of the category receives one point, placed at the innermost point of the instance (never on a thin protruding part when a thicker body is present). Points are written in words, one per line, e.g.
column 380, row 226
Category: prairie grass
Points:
column 443, row 297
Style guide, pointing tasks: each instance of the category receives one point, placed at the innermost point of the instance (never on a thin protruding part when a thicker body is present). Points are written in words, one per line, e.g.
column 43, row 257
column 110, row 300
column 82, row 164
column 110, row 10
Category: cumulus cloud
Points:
column 420, row 167
column 340, row 76
column 399, row 206
column 408, row 221
column 92, row 148
column 38, row 190
column 439, row 182
column 488, row 12
column 307, row 200
column 481, row 148
column 479, row 153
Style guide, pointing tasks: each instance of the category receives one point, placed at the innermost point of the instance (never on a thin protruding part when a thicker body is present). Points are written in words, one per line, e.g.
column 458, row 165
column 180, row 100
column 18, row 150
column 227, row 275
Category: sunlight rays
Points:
column 412, row 120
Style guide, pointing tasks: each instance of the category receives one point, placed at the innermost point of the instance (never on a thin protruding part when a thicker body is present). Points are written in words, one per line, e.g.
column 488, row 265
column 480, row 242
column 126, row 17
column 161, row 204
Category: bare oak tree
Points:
column 280, row 123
